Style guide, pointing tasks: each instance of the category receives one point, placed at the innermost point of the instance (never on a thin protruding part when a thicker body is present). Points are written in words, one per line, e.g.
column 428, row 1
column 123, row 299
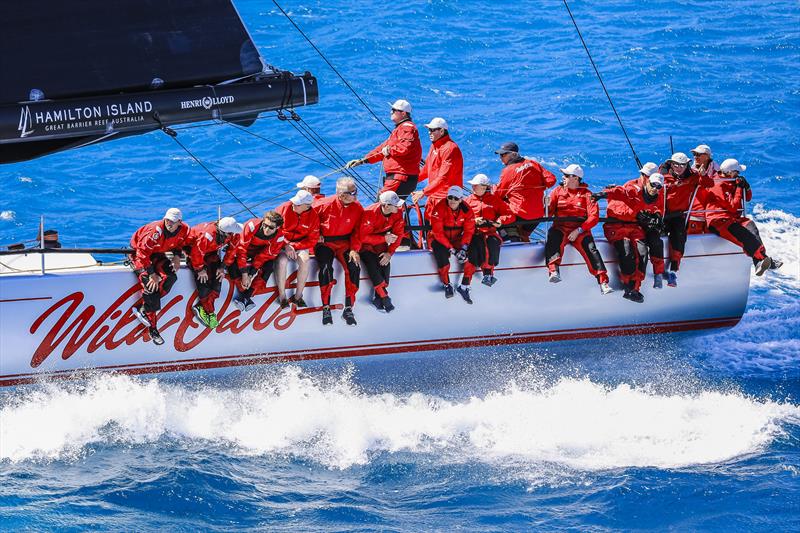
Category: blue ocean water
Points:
column 647, row 434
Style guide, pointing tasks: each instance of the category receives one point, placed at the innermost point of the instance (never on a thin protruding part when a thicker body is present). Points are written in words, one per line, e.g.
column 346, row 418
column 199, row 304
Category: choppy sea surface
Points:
column 697, row 433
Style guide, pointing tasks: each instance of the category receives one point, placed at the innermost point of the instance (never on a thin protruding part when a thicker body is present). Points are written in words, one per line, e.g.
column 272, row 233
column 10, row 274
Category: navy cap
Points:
column 507, row 148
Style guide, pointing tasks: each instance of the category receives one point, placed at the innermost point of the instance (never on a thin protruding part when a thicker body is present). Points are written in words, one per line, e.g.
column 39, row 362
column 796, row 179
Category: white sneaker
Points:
column 555, row 277
column 605, row 289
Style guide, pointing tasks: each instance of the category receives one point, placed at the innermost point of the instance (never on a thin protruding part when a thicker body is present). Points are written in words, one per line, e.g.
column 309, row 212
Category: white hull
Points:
column 67, row 322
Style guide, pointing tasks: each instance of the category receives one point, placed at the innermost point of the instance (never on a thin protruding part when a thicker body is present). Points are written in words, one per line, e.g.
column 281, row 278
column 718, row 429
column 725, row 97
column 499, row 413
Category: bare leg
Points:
column 280, row 275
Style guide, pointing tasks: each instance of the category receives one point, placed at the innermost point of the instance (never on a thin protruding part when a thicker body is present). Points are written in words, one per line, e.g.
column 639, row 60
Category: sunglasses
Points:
column 351, row 193
column 396, row 111
column 270, row 226
column 656, row 186
column 572, row 176
column 454, row 198
column 434, row 129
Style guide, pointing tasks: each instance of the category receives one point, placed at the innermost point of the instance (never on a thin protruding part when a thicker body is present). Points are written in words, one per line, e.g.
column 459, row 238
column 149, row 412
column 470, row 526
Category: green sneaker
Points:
column 213, row 322
column 202, row 315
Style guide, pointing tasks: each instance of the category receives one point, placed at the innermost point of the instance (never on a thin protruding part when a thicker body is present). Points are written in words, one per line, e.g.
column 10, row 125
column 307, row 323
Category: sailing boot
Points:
column 387, row 304
column 349, row 317
column 327, row 318
column 555, row 276
column 763, row 265
column 156, row 336
column 448, row 291
column 658, row 281
column 672, row 278
column 464, row 291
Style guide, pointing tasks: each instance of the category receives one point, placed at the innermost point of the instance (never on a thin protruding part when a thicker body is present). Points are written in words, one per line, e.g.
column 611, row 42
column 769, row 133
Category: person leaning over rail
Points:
column 522, row 185
column 400, row 153
column 682, row 186
column 444, row 165
column 380, row 234
column 260, row 243
column 301, row 229
column 627, row 236
column 573, row 199
column 725, row 214
column 490, row 213
column 311, row 184
column 651, row 220
column 339, row 217
column 453, row 233
column 203, row 247
column 155, row 272
column 704, row 165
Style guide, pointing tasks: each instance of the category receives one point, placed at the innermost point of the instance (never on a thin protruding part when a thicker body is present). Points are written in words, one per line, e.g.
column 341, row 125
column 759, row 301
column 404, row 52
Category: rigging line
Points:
column 331, row 65
column 175, row 138
column 317, row 161
column 600, row 78
column 264, row 201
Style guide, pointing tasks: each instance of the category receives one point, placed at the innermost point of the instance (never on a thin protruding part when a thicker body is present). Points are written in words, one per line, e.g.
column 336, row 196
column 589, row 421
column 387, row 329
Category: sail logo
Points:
column 207, row 102
column 25, row 122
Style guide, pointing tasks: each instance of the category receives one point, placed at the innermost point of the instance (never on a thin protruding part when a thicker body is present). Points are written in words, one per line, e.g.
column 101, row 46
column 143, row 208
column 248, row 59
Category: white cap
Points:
column 479, row 179
column 302, row 197
column 573, row 169
column 702, row 149
column 390, row 198
column 437, row 123
column 656, row 179
column 456, row 191
column 680, row 158
column 648, row 168
column 729, row 165
column 401, row 105
column 309, row 181
column 173, row 214
column 229, row 225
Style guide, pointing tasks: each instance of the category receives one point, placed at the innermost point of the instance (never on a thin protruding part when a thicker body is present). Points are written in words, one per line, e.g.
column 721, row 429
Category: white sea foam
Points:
column 7, row 215
column 575, row 423
column 780, row 232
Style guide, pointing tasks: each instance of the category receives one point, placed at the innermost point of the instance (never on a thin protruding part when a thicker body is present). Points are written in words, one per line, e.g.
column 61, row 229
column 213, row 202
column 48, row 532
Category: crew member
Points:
column 704, row 165
column 573, row 199
column 453, row 233
column 522, row 185
column 260, row 243
column 203, row 244
column 444, row 165
column 155, row 272
column 311, row 184
column 339, row 219
column 401, row 153
column 651, row 219
column 380, row 234
column 301, row 230
column 682, row 187
column 490, row 213
column 725, row 215
column 627, row 236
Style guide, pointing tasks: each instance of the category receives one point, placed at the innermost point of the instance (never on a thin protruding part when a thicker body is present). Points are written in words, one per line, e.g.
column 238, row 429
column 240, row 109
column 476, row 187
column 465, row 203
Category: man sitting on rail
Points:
column 155, row 272
column 339, row 218
column 651, row 219
column 260, row 243
column 380, row 234
column 400, row 153
column 724, row 212
column 453, row 233
column 704, row 165
column 203, row 247
column 573, row 199
column 522, row 185
column 301, row 229
column 490, row 213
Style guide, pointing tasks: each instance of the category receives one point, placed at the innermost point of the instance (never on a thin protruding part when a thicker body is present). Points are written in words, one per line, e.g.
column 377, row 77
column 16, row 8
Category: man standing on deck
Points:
column 522, row 185
column 401, row 153
column 380, row 233
column 203, row 246
column 339, row 221
column 155, row 272
column 444, row 165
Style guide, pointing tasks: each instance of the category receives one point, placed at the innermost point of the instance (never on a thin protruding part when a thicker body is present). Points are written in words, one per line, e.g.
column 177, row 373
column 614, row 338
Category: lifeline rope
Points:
column 600, row 78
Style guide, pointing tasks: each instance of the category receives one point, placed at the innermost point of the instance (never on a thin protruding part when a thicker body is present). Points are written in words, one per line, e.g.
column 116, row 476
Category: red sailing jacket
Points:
column 566, row 202
column 626, row 201
column 405, row 150
column 374, row 227
column 453, row 229
column 489, row 206
column 202, row 240
column 724, row 201
column 152, row 239
column 444, row 167
column 339, row 220
column 680, row 191
column 659, row 206
column 301, row 230
column 253, row 244
column 522, row 185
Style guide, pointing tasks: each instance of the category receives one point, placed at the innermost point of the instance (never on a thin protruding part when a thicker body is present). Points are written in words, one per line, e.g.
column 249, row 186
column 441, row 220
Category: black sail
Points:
column 86, row 71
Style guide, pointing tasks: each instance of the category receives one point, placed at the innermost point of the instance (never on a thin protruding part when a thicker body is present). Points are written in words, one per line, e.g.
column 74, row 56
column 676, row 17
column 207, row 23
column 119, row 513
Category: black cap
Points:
column 507, row 148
